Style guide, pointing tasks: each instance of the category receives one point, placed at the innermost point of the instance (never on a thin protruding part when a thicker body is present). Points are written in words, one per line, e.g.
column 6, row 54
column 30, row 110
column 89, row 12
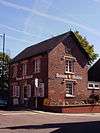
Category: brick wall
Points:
column 74, row 109
column 30, row 71
column 57, row 89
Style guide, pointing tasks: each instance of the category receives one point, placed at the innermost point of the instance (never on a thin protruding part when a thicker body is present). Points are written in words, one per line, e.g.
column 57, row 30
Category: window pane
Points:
column 69, row 66
column 90, row 85
column 66, row 66
column 97, row 86
column 24, row 69
column 37, row 65
column 69, row 88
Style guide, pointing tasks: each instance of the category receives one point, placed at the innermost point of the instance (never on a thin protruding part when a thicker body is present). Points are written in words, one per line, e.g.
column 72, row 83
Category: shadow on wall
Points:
column 76, row 50
column 81, row 127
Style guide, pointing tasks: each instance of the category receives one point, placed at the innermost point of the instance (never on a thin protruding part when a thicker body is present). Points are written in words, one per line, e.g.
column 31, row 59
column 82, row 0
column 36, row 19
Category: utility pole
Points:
column 3, row 62
column 36, row 93
column 3, row 52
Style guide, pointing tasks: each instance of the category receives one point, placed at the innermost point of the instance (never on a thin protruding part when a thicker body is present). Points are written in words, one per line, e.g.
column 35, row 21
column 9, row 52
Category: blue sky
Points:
column 26, row 22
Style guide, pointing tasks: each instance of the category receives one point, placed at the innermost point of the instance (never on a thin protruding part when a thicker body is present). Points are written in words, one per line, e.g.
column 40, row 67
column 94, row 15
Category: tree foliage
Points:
column 6, row 57
column 4, row 75
column 87, row 46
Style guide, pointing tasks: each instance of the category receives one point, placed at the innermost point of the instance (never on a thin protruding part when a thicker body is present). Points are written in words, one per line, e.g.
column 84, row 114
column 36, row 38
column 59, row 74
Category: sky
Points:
column 27, row 22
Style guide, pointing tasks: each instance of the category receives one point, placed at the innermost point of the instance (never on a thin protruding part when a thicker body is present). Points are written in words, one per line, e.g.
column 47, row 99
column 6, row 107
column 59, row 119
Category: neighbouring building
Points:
column 57, row 65
column 94, row 79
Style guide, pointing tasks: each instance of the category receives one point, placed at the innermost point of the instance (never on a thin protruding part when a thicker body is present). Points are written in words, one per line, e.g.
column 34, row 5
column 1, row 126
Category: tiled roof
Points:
column 94, row 72
column 45, row 46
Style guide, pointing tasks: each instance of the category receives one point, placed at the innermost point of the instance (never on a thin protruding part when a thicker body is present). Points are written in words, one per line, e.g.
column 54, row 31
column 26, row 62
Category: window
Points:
column 90, row 85
column 94, row 85
column 16, row 91
column 37, row 64
column 97, row 86
column 41, row 90
column 27, row 91
column 14, row 70
column 69, row 68
column 24, row 72
column 69, row 88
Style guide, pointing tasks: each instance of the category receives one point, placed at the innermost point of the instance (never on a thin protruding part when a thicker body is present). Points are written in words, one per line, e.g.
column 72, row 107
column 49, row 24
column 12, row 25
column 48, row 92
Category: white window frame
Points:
column 68, row 94
column 67, row 68
column 16, row 91
column 94, row 84
column 37, row 65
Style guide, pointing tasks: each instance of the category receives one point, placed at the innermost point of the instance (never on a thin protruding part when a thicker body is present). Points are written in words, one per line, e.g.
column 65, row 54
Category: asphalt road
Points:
column 41, row 122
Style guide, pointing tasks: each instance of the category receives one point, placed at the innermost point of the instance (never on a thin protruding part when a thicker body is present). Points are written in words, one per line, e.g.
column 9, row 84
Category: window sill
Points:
column 90, row 88
column 72, row 73
column 36, row 72
column 70, row 96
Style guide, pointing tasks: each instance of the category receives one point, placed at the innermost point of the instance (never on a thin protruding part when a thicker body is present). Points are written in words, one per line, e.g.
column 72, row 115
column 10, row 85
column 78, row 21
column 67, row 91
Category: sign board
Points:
column 24, row 77
column 69, row 76
column 36, row 82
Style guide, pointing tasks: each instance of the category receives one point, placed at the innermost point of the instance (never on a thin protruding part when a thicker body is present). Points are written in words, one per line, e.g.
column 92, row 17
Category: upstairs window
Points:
column 37, row 65
column 69, row 66
column 24, row 69
column 14, row 71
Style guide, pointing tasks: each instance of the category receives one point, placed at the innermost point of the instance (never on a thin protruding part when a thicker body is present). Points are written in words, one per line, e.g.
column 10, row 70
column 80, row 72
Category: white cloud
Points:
column 41, row 5
column 9, row 4
column 14, row 29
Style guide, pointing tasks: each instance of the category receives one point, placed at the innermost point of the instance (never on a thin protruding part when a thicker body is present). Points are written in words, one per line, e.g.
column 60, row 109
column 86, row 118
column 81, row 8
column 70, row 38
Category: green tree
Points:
column 87, row 46
column 4, row 74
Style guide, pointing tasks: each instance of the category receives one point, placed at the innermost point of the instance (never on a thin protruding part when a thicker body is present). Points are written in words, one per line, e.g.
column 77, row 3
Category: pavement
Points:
column 2, row 112
column 34, row 121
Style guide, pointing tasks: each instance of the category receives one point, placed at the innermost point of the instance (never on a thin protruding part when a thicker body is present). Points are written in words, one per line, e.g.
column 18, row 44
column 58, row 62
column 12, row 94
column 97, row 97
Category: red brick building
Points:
column 59, row 64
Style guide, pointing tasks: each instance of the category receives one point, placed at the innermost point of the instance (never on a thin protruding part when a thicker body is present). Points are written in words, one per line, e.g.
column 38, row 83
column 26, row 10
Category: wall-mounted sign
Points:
column 36, row 82
column 77, row 77
column 69, row 76
column 60, row 76
column 24, row 77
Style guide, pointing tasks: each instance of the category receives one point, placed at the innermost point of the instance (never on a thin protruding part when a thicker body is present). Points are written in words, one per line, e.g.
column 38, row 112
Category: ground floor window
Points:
column 27, row 91
column 16, row 91
column 69, row 88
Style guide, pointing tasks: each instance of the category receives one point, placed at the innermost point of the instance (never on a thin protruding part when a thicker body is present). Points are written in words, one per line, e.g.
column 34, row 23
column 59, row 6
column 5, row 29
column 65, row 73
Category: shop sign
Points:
column 24, row 77
column 76, row 77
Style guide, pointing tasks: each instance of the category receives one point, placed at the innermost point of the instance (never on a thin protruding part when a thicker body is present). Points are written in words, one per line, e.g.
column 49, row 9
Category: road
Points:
column 44, row 122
